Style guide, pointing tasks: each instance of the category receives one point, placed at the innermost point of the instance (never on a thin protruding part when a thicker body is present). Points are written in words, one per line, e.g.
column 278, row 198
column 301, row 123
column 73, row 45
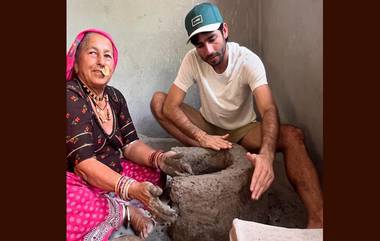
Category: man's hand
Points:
column 171, row 164
column 263, row 174
column 213, row 141
column 148, row 194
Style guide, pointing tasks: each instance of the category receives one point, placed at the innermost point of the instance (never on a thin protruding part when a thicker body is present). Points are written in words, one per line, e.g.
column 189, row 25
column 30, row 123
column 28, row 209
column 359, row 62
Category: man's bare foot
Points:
column 315, row 222
column 314, row 225
column 141, row 224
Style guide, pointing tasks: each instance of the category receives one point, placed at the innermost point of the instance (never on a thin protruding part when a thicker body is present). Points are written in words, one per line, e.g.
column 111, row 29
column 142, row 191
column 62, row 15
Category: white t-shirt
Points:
column 226, row 99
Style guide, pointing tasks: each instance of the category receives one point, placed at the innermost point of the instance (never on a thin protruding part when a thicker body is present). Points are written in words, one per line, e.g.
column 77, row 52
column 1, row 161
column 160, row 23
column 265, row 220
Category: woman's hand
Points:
column 148, row 194
column 172, row 164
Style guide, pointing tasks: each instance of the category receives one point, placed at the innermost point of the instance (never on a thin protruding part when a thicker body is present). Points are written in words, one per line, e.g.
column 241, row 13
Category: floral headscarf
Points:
column 70, row 57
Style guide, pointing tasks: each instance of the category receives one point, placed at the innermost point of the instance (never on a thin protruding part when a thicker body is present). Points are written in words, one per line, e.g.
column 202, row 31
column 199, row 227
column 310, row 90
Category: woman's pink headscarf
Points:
column 70, row 57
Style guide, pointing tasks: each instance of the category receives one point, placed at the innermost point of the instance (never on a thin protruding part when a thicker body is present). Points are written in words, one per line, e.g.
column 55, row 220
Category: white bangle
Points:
column 117, row 184
column 128, row 185
column 124, row 191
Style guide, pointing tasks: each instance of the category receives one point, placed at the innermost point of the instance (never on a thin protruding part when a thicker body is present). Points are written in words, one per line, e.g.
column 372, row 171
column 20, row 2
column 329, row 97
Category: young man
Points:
column 228, row 77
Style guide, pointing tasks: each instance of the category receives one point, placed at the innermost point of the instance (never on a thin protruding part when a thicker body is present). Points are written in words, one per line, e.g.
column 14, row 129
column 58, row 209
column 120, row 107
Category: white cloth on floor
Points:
column 251, row 231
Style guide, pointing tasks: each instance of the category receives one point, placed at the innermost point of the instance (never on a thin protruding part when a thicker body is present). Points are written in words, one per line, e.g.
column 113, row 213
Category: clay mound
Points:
column 208, row 202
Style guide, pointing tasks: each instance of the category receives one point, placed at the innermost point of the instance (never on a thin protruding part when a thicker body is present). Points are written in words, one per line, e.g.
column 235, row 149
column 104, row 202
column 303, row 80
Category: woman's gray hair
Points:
column 81, row 45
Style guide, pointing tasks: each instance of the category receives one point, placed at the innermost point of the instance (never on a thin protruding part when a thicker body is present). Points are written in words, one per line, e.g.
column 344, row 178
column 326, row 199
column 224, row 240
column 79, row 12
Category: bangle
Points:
column 160, row 154
column 121, row 185
column 131, row 180
column 124, row 188
column 128, row 217
column 117, row 184
column 153, row 158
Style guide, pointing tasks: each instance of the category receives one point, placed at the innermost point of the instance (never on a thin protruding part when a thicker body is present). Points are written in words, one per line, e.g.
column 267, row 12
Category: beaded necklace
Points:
column 103, row 117
column 100, row 111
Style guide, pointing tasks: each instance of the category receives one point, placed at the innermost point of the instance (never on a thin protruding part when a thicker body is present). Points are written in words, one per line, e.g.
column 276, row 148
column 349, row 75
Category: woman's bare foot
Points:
column 141, row 224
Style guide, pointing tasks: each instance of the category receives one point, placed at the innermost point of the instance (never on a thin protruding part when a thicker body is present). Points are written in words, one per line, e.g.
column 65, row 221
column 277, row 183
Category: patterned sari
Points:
column 91, row 213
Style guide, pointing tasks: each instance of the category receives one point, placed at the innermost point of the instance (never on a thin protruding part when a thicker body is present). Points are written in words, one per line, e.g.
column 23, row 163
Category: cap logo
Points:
column 196, row 20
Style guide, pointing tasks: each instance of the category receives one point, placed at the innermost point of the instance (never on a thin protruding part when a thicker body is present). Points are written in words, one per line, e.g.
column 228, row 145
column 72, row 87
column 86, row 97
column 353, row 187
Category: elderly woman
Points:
column 107, row 165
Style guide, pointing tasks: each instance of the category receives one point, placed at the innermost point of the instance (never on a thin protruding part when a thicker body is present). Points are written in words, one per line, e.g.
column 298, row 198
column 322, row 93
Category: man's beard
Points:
column 220, row 53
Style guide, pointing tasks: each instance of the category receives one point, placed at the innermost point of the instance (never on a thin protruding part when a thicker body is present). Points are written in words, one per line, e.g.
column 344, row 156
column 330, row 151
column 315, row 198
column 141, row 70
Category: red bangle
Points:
column 153, row 158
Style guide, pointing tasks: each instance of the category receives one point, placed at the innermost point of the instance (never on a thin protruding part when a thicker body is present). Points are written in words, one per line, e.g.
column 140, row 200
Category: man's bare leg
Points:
column 156, row 106
column 300, row 169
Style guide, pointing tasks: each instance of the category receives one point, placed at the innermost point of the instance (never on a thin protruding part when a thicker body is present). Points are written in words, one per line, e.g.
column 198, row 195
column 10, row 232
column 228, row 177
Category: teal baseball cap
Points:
column 204, row 17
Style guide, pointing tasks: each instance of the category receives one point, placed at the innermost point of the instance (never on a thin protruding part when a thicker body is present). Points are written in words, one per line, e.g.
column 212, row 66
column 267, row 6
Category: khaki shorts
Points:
column 235, row 135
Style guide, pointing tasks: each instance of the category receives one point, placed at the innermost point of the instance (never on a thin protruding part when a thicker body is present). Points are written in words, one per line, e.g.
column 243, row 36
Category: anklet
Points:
column 128, row 218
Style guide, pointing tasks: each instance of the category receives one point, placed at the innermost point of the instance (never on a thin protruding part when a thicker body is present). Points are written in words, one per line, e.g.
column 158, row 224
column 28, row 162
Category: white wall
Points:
column 243, row 19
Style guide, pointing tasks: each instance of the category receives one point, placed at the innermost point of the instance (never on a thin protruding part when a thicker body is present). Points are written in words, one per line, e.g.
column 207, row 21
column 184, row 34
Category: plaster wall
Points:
column 292, row 50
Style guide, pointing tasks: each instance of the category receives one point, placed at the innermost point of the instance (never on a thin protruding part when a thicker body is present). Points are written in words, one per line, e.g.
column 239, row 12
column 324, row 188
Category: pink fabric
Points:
column 91, row 214
column 86, row 209
column 70, row 57
column 141, row 173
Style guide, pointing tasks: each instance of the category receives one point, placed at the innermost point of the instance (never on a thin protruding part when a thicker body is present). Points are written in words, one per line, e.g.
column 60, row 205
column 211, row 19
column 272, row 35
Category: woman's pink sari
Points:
column 92, row 214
